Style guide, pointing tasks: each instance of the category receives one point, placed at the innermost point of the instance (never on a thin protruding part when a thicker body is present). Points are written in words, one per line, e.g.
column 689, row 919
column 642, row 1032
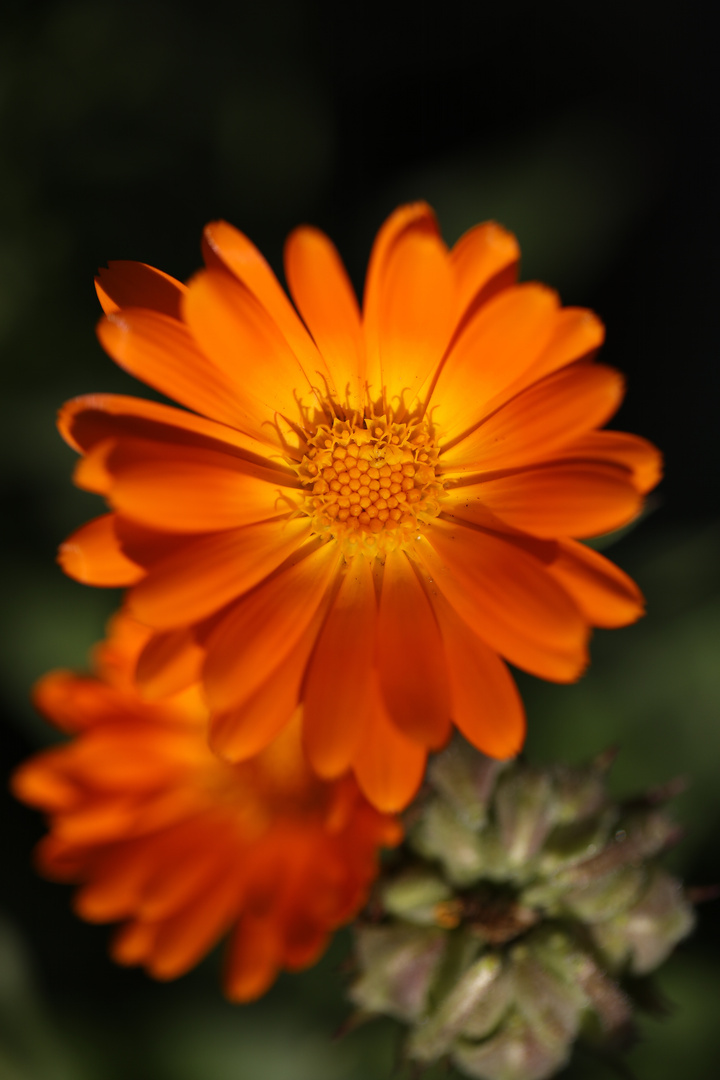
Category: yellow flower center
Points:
column 371, row 482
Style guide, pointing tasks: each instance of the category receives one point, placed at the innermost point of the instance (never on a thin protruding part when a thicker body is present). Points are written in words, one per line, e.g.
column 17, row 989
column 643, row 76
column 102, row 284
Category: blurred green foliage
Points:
column 123, row 128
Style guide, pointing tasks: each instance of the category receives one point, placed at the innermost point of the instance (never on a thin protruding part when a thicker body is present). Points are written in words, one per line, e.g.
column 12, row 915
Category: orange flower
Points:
column 183, row 846
column 365, row 512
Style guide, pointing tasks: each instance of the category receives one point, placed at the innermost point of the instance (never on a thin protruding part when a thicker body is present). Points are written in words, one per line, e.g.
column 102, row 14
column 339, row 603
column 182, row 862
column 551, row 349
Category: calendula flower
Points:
column 183, row 847
column 366, row 513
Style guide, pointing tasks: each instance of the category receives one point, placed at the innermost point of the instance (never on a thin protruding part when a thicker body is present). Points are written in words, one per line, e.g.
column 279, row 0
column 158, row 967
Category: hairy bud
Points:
column 522, row 900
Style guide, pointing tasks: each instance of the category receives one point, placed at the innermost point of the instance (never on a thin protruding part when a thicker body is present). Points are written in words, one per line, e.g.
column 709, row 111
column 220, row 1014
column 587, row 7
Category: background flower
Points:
column 183, row 847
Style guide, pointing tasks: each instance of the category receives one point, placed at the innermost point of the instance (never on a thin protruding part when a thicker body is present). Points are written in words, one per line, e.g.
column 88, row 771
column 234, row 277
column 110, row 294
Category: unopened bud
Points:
column 524, row 897
column 398, row 964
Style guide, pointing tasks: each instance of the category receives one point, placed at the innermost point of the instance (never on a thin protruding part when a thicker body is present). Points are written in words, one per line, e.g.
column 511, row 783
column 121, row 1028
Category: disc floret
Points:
column 371, row 481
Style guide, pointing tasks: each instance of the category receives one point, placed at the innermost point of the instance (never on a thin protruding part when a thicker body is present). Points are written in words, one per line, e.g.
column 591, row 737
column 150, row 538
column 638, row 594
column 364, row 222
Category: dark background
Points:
column 586, row 128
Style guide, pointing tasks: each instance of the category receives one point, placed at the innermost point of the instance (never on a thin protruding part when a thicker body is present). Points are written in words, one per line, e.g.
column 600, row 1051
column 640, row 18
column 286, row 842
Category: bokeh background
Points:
column 586, row 128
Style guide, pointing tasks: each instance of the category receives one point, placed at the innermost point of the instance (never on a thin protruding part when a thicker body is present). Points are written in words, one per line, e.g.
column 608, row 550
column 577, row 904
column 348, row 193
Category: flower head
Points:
column 366, row 513
column 183, row 847
column 523, row 914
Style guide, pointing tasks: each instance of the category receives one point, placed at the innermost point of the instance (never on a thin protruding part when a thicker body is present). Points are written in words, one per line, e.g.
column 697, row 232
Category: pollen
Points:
column 371, row 483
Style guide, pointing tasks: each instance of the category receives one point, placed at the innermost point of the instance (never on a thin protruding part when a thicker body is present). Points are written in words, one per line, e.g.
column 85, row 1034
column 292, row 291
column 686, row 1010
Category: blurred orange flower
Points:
column 183, row 847
column 366, row 511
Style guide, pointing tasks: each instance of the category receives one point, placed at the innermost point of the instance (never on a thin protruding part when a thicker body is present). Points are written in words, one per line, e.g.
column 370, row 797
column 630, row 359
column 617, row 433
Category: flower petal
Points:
column 73, row 703
column 389, row 766
column 254, row 957
column 325, row 298
column 571, row 499
column 507, row 597
column 605, row 595
column 169, row 662
column 93, row 556
column 631, row 451
column 264, row 626
column 482, row 256
column 577, row 335
column 116, row 878
column 226, row 247
column 235, row 331
column 179, row 488
column 127, row 284
column 539, row 421
column 249, row 727
column 93, row 418
column 486, row 705
column 188, row 860
column 207, row 572
column 133, row 942
column 409, row 303
column 182, row 940
column 503, row 340
column 160, row 351
column 410, row 657
column 337, row 693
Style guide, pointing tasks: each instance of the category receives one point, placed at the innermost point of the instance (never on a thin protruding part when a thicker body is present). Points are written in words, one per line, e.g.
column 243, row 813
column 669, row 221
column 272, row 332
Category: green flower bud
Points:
column 398, row 964
column 522, row 899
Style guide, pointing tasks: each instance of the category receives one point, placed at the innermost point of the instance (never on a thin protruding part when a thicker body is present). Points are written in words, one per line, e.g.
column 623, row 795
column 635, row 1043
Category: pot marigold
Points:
column 366, row 513
column 182, row 846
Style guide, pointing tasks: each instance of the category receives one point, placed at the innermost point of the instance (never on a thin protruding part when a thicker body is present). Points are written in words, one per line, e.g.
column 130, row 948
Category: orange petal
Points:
column 572, row 499
column 133, row 943
column 253, row 958
column 192, row 489
column 577, row 335
column 168, row 663
column 486, row 705
column 225, row 246
column 128, row 756
column 503, row 340
column 184, row 939
column 91, row 472
column 93, row 418
column 247, row 729
column 41, row 782
column 410, row 657
column 208, row 572
column 161, row 351
column 236, row 332
column 389, row 766
column 479, row 257
column 127, row 284
column 189, row 860
column 93, row 555
column 507, row 597
column 73, row 702
column 147, row 546
column 116, row 876
column 305, row 941
column 264, row 626
column 605, row 595
column 325, row 298
column 539, row 421
column 101, row 822
column 409, row 303
column 634, row 453
column 337, row 697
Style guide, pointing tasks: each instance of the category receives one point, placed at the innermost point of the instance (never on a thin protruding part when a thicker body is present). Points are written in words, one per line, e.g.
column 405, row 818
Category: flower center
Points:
column 371, row 482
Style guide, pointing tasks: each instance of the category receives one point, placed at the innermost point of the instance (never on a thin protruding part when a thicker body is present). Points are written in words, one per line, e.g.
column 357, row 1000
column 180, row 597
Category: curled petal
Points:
column 127, row 284
column 93, row 555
